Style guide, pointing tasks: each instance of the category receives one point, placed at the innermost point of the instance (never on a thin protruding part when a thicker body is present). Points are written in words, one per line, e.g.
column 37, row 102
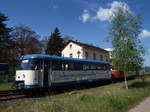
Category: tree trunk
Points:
column 125, row 79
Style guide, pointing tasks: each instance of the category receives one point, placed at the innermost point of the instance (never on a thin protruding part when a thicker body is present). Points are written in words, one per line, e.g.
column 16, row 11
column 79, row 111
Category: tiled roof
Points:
column 88, row 46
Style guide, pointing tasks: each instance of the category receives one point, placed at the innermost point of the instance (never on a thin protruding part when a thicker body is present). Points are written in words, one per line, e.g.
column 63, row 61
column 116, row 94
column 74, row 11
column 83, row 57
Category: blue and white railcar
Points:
column 39, row 70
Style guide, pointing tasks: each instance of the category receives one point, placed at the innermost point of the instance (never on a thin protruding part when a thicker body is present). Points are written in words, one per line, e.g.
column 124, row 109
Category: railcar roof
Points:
column 44, row 56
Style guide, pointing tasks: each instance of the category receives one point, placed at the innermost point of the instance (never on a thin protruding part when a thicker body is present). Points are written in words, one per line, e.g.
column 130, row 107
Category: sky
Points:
column 85, row 20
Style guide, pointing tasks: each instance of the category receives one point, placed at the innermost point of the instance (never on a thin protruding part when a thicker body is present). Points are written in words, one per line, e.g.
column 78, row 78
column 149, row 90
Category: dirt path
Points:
column 142, row 107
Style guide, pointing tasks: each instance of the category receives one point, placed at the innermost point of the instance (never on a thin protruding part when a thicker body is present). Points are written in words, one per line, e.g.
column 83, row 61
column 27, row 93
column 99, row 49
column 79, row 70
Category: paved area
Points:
column 142, row 107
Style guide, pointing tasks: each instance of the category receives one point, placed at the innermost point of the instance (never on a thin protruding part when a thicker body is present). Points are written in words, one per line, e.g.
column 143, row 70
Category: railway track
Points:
column 11, row 95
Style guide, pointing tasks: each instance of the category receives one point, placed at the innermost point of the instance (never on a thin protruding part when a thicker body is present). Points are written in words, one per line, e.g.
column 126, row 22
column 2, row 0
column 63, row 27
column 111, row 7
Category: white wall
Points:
column 74, row 49
column 97, row 52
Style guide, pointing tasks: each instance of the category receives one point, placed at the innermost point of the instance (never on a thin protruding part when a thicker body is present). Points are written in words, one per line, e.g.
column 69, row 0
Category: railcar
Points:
column 116, row 75
column 41, row 71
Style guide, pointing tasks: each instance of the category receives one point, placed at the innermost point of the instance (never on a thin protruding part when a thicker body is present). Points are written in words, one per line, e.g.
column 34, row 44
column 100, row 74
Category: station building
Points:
column 75, row 49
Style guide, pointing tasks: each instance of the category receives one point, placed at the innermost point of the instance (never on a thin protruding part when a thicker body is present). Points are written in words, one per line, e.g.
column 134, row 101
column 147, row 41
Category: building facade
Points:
column 74, row 49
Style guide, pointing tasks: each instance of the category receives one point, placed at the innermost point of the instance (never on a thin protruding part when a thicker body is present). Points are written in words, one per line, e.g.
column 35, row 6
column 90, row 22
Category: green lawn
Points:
column 5, row 85
column 110, row 98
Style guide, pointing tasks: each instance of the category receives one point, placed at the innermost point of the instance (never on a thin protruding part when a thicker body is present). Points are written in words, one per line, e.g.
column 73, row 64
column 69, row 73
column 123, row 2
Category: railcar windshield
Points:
column 31, row 64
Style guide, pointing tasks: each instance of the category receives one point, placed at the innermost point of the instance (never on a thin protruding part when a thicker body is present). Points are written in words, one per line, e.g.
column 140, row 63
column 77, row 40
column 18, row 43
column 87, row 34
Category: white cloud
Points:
column 109, row 49
column 104, row 14
column 144, row 34
column 85, row 16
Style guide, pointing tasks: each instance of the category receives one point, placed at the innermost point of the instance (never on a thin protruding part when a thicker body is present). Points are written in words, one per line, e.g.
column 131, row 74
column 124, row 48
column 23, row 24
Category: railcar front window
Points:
column 29, row 65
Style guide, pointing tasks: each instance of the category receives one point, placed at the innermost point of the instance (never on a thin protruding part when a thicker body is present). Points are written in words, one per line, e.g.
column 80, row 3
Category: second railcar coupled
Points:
column 39, row 70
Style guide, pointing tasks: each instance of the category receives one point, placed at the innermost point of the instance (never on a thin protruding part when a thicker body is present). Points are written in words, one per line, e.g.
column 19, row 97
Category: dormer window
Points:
column 70, row 46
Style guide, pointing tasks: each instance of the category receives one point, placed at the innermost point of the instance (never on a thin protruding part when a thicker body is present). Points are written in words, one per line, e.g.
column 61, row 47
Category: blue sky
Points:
column 85, row 20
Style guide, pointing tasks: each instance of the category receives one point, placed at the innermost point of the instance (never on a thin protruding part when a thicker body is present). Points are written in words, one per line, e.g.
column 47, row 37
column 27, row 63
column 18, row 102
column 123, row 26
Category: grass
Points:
column 110, row 98
column 3, row 78
column 5, row 85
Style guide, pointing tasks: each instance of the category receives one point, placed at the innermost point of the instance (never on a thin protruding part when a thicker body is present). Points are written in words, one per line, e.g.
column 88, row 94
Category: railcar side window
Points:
column 78, row 66
column 35, row 64
column 93, row 67
column 99, row 67
column 70, row 66
column 86, row 67
column 104, row 67
column 64, row 66
column 56, row 65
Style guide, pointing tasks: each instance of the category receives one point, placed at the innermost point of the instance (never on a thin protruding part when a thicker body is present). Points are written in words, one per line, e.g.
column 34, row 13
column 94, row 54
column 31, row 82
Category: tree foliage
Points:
column 67, row 38
column 124, row 35
column 55, row 43
column 26, row 40
column 5, row 42
column 23, row 41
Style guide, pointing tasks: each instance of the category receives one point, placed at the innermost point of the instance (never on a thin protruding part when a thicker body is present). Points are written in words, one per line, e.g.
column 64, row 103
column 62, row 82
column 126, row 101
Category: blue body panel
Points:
column 22, row 86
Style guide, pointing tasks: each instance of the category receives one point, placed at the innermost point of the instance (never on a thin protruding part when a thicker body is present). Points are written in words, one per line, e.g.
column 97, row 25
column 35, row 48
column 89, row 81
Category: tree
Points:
column 67, row 38
column 124, row 35
column 4, row 39
column 23, row 41
column 26, row 40
column 44, row 42
column 55, row 43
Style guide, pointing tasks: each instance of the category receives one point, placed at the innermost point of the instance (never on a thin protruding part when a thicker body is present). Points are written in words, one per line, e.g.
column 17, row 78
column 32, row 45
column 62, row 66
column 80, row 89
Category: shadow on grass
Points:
column 50, row 91
column 141, row 84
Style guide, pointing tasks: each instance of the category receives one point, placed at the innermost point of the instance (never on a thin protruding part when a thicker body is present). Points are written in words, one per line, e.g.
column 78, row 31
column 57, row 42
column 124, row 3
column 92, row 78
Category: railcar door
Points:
column 46, row 72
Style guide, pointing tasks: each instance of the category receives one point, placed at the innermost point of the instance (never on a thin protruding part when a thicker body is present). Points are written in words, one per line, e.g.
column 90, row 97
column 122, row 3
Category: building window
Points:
column 101, row 57
column 78, row 53
column 86, row 55
column 70, row 55
column 94, row 56
column 70, row 46
column 107, row 58
column 104, row 57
